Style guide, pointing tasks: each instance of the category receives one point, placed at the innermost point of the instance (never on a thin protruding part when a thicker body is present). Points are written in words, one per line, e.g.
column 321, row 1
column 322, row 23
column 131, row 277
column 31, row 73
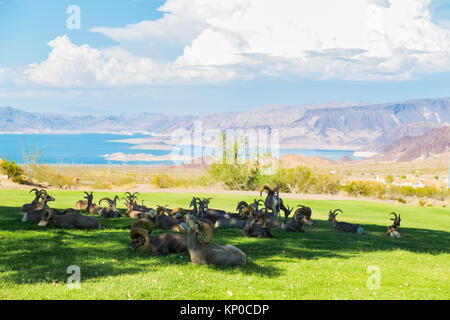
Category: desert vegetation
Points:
column 301, row 179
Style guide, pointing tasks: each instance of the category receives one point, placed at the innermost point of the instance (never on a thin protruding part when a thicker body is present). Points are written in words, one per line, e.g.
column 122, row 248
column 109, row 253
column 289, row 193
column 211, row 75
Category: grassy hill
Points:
column 319, row 264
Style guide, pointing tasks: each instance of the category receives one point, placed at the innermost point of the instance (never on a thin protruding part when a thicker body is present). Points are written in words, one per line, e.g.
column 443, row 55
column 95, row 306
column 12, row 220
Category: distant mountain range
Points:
column 366, row 127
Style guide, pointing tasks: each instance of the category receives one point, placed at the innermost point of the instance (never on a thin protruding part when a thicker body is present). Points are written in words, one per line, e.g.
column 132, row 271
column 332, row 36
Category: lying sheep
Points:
column 392, row 231
column 165, row 222
column 72, row 220
column 162, row 244
column 344, row 226
column 35, row 215
column 301, row 216
column 202, row 251
column 111, row 211
column 257, row 227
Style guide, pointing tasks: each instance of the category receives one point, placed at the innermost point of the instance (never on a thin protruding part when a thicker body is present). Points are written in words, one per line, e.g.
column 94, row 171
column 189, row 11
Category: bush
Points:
column 12, row 170
column 389, row 178
column 45, row 173
column 366, row 189
column 401, row 200
column 236, row 176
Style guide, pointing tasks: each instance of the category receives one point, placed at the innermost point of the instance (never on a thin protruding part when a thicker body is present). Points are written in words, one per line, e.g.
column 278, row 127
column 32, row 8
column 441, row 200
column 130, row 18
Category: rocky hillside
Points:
column 432, row 143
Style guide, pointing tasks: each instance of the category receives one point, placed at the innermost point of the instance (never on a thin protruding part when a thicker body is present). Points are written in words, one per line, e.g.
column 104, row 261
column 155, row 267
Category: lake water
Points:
column 90, row 148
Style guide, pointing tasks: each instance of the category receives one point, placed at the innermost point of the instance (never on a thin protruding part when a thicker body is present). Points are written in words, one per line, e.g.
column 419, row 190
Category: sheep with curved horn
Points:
column 392, row 231
column 256, row 228
column 92, row 208
column 36, row 204
column 344, row 226
column 162, row 244
column 202, row 251
column 273, row 201
column 181, row 212
column 36, row 215
column 204, row 204
column 72, row 220
column 166, row 222
column 237, row 220
column 82, row 204
column 111, row 211
column 301, row 216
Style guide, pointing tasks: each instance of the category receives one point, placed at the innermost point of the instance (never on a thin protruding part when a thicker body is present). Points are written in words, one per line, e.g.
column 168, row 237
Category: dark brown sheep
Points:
column 162, row 244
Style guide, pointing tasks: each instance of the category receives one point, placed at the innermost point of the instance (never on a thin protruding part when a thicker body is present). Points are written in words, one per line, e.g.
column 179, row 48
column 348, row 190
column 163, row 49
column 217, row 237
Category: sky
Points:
column 209, row 56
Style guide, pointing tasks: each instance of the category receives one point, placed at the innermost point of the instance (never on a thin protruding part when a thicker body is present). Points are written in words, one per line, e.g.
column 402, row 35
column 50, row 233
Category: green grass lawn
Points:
column 318, row 264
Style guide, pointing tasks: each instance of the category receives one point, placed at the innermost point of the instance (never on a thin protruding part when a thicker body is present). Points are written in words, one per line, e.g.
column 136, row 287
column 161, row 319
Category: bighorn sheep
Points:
column 301, row 216
column 392, row 231
column 205, row 252
column 344, row 226
column 132, row 212
column 71, row 220
column 181, row 212
column 82, row 204
column 162, row 244
column 132, row 204
column 111, row 211
column 36, row 215
column 238, row 220
column 273, row 201
column 36, row 204
column 256, row 228
column 91, row 207
column 206, row 209
column 165, row 222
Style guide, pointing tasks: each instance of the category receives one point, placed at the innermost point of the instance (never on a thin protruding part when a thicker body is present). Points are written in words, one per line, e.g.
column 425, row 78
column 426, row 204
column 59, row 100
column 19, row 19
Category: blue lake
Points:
column 89, row 148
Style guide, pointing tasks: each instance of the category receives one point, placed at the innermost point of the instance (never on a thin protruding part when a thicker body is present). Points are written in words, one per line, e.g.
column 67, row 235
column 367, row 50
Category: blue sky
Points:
column 197, row 58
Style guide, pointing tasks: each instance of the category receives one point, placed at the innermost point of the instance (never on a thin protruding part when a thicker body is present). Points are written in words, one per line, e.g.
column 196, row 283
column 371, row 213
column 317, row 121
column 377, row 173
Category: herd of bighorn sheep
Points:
column 194, row 227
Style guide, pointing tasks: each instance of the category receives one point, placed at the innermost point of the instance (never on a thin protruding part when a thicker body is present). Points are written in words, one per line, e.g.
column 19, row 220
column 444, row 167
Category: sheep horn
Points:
column 264, row 188
column 334, row 212
column 143, row 222
column 242, row 203
column 395, row 215
column 42, row 192
column 106, row 199
column 36, row 191
column 136, row 232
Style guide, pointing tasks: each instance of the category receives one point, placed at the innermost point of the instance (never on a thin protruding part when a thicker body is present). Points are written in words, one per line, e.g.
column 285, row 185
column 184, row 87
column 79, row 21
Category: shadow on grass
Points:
column 30, row 254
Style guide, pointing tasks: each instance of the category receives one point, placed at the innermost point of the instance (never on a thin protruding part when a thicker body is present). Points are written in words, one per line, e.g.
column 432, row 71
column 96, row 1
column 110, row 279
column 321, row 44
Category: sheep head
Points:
column 303, row 214
column 265, row 188
column 241, row 204
column 396, row 219
column 139, row 236
column 332, row 215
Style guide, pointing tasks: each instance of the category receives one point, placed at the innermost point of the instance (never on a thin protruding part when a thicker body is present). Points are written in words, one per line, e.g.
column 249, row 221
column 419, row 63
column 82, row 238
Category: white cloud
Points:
column 222, row 40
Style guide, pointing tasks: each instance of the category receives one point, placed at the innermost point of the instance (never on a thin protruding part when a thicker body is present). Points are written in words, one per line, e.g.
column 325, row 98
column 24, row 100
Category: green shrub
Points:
column 366, row 189
column 12, row 170
column 236, row 176
column 389, row 178
column 401, row 200
column 163, row 181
